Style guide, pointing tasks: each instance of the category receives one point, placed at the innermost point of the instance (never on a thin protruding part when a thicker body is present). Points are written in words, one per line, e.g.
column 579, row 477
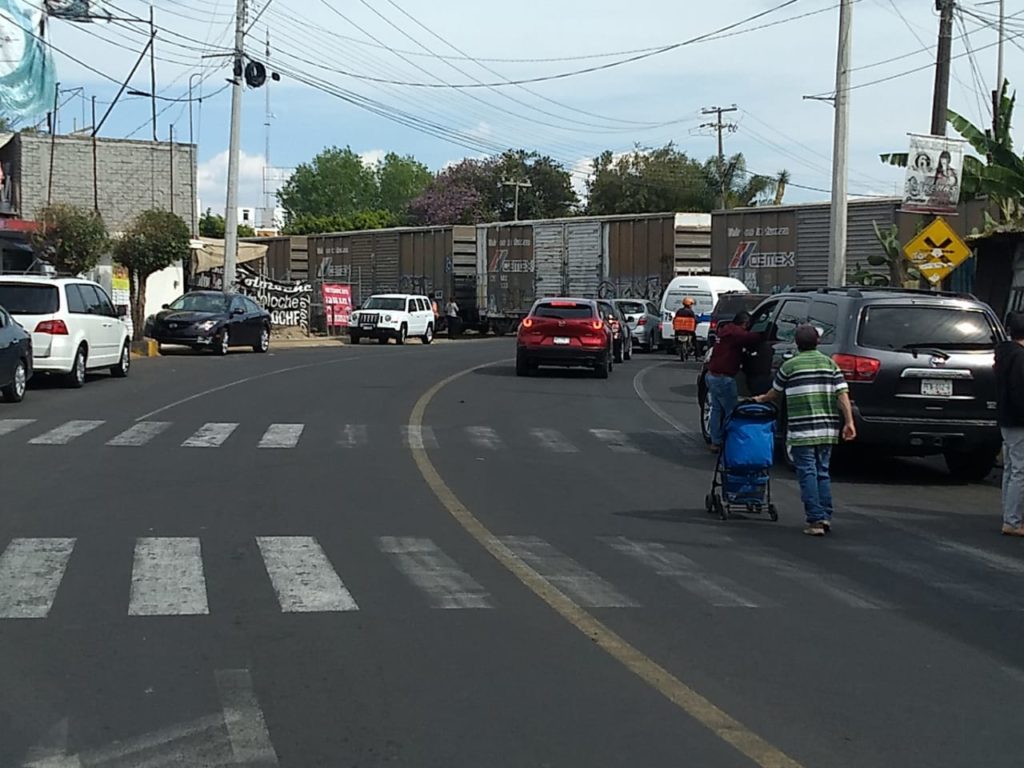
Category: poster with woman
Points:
column 26, row 65
column 934, row 168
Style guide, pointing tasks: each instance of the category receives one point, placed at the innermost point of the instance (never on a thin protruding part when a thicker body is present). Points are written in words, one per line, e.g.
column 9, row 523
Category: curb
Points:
column 145, row 348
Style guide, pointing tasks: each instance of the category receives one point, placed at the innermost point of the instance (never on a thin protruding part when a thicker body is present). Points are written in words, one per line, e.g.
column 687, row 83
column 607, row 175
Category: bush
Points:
column 72, row 239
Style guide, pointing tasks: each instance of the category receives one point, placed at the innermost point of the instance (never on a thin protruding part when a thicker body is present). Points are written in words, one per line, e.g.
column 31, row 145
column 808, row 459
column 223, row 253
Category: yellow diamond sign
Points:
column 937, row 251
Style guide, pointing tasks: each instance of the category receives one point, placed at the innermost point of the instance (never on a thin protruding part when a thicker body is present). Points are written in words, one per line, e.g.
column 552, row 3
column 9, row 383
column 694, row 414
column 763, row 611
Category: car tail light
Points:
column 714, row 324
column 597, row 325
column 52, row 327
column 856, row 368
column 642, row 321
column 527, row 322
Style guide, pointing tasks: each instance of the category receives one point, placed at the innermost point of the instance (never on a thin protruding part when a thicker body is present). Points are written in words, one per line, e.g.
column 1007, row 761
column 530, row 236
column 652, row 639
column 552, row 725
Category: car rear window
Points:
column 702, row 301
column 28, row 299
column 941, row 327
column 566, row 310
column 632, row 307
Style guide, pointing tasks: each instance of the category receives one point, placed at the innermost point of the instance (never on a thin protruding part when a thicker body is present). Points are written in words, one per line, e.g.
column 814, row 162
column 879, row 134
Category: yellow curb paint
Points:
column 672, row 688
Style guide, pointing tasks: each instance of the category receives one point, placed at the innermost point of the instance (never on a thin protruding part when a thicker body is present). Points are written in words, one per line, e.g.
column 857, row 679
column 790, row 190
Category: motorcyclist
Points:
column 684, row 327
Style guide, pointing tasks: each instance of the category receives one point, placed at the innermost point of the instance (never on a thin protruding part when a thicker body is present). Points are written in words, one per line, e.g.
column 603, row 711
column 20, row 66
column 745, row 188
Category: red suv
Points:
column 565, row 332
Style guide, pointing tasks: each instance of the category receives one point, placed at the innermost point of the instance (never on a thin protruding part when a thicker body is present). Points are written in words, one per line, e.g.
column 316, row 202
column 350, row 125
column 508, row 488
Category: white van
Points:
column 704, row 290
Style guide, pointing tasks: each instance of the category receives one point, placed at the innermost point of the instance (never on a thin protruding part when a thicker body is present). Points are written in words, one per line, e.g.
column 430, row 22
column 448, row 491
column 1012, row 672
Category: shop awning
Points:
column 208, row 253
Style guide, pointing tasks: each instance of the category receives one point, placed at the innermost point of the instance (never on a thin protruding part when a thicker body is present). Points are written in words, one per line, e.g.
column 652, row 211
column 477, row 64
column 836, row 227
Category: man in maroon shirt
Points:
column 726, row 361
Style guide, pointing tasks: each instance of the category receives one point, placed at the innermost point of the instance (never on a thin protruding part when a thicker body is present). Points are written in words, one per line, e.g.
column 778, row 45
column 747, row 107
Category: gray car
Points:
column 643, row 318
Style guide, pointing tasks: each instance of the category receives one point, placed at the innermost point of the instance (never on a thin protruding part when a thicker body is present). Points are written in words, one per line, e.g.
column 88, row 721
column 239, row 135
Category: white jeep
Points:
column 395, row 316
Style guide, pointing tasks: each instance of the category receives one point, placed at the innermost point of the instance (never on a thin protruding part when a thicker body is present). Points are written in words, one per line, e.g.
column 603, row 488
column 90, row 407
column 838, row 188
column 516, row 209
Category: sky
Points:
column 765, row 66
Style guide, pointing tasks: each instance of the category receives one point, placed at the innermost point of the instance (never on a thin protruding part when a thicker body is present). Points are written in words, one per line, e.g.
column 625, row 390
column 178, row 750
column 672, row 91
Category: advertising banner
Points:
column 337, row 304
column 934, row 174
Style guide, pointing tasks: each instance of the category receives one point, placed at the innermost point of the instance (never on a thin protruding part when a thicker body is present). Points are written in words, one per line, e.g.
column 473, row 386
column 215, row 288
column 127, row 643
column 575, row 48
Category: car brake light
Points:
column 856, row 368
column 597, row 325
column 53, row 327
column 642, row 321
column 563, row 304
column 714, row 324
column 527, row 322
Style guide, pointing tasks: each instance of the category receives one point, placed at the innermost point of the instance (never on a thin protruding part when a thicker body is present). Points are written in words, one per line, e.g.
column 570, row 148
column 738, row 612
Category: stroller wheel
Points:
column 773, row 513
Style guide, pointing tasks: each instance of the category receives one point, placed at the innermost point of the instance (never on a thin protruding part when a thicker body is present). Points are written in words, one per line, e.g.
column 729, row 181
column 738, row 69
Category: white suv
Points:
column 393, row 316
column 73, row 323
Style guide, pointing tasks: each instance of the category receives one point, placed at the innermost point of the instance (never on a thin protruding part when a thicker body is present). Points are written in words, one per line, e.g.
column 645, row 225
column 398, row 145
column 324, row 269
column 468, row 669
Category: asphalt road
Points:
column 321, row 558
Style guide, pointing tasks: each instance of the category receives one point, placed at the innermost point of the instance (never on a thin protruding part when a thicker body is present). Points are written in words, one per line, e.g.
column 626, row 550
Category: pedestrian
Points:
column 1010, row 404
column 726, row 359
column 816, row 396
column 451, row 312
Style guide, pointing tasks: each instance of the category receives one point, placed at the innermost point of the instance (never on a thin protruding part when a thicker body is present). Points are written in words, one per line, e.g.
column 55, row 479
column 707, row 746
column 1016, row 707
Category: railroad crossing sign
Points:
column 937, row 251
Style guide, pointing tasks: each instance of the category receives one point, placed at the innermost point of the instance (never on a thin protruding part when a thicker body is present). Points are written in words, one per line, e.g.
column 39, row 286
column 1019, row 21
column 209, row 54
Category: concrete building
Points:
column 130, row 176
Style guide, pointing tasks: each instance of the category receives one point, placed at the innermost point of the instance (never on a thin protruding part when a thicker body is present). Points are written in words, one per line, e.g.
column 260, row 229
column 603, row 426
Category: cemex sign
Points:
column 747, row 255
column 755, row 247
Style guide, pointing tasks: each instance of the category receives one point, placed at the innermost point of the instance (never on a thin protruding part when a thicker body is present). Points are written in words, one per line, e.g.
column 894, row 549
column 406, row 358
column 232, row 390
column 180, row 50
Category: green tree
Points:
column 647, row 180
column 742, row 188
column 71, row 238
column 334, row 183
column 154, row 240
column 213, row 225
column 315, row 225
column 400, row 180
column 549, row 196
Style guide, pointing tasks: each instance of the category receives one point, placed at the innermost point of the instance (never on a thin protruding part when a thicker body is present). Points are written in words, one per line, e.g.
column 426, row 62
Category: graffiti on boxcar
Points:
column 649, row 289
column 419, row 284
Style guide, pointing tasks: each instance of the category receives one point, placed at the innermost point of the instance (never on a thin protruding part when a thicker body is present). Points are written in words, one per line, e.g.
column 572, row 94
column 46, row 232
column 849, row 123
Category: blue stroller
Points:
column 743, row 473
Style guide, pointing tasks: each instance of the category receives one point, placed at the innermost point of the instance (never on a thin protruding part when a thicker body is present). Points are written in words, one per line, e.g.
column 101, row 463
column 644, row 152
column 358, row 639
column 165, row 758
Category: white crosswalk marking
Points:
column 65, row 433
column 282, row 436
column 484, row 437
column 10, row 425
column 418, row 437
column 717, row 590
column 353, row 436
column 30, row 574
column 140, row 434
column 936, row 578
column 565, row 574
column 615, row 440
column 303, row 578
column 552, row 440
column 830, row 584
column 167, row 578
column 430, row 569
column 210, row 435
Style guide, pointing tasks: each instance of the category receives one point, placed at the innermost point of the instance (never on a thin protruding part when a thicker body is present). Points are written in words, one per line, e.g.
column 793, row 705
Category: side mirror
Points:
column 237, row 311
column 165, row 306
column 122, row 311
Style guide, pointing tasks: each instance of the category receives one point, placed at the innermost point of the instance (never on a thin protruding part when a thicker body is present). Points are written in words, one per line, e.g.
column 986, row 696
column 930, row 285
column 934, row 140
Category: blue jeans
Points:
column 811, row 462
column 722, row 396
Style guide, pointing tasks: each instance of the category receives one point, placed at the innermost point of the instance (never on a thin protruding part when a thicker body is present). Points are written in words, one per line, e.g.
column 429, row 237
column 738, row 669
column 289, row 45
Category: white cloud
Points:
column 372, row 156
column 211, row 181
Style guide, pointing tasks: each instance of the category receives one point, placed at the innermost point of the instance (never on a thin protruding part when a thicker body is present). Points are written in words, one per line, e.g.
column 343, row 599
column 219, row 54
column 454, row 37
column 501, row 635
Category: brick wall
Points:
column 133, row 176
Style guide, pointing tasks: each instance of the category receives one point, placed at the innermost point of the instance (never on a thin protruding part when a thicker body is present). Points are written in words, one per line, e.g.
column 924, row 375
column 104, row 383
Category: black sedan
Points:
column 212, row 320
column 15, row 358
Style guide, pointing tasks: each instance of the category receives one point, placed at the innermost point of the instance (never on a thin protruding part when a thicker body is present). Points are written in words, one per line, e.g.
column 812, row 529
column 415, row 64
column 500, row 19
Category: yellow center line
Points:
column 672, row 688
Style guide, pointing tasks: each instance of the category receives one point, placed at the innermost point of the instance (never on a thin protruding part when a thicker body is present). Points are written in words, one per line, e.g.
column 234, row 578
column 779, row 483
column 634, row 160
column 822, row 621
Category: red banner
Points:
column 337, row 304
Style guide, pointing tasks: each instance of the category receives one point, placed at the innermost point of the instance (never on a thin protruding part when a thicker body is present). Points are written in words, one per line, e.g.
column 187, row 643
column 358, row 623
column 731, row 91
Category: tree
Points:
column 781, row 182
column 454, row 196
column 72, row 239
column 648, row 180
column 742, row 188
column 314, row 225
column 213, row 225
column 154, row 240
column 400, row 180
column 335, row 183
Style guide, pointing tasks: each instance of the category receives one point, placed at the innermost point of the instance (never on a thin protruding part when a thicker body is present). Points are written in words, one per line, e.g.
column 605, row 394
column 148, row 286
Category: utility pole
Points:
column 152, row 68
column 997, row 94
column 841, row 141
column 171, row 138
column 518, row 185
column 720, row 128
column 268, row 205
column 940, row 97
column 95, row 163
column 234, row 148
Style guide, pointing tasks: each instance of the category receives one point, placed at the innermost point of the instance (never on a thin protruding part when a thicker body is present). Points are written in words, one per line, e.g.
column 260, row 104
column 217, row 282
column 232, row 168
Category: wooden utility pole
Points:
column 940, row 96
column 518, row 185
column 720, row 128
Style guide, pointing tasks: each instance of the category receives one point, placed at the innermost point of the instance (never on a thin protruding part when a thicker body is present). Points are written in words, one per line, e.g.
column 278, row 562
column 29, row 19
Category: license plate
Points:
column 937, row 387
column 367, row 327
column 561, row 339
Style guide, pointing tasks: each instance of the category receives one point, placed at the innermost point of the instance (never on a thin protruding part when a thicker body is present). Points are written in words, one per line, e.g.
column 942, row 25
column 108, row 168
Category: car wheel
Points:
column 705, row 418
column 429, row 335
column 15, row 391
column 522, row 365
column 264, row 343
column 652, row 344
column 601, row 369
column 618, row 352
column 223, row 343
column 120, row 370
column 382, row 339
column 971, row 467
column 354, row 338
column 76, row 378
column 402, row 333
column 628, row 354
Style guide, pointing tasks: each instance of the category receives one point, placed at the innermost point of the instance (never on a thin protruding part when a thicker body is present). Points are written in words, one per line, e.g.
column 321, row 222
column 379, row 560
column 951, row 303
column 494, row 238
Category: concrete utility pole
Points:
column 840, row 145
column 940, row 96
column 152, row 69
column 234, row 149
column 518, row 185
column 998, row 92
column 720, row 127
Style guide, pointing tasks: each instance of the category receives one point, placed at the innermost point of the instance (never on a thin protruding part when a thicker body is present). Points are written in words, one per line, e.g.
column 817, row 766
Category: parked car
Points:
column 622, row 336
column 73, row 323
column 564, row 332
column 15, row 358
column 729, row 305
column 211, row 320
column 393, row 316
column 644, row 322
column 919, row 365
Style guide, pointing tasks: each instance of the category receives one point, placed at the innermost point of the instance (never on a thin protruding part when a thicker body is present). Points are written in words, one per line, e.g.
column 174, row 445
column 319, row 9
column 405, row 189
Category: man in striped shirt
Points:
column 816, row 394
